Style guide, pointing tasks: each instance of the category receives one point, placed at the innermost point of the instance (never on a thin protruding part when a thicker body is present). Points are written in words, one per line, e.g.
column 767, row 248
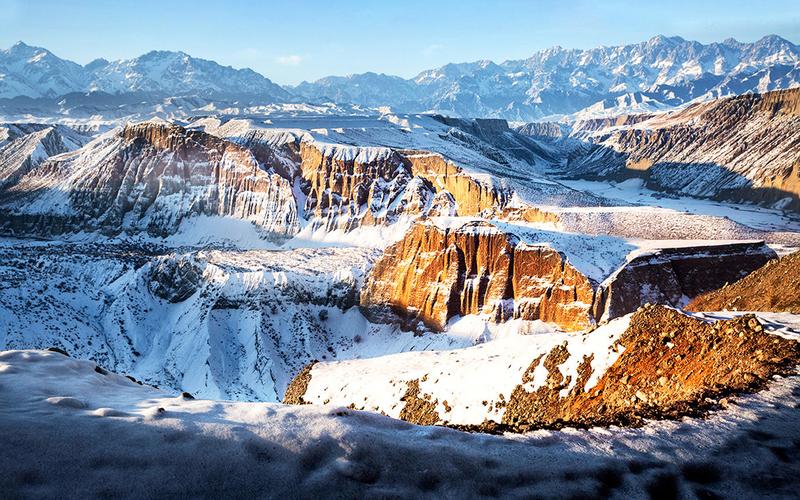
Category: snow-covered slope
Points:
column 37, row 72
column 226, row 324
column 73, row 430
column 176, row 73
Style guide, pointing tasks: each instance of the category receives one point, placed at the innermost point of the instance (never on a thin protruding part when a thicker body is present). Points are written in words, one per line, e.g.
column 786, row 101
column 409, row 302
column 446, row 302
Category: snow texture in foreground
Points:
column 71, row 431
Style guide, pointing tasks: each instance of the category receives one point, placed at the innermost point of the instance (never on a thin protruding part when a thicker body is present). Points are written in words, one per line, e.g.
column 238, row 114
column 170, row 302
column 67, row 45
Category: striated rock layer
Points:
column 674, row 275
column 437, row 273
column 743, row 148
column 150, row 177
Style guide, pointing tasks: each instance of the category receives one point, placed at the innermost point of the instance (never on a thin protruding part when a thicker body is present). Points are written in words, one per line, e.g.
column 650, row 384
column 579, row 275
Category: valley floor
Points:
column 73, row 430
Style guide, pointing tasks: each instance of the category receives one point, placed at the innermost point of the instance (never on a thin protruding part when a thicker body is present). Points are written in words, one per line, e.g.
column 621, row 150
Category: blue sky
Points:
column 294, row 40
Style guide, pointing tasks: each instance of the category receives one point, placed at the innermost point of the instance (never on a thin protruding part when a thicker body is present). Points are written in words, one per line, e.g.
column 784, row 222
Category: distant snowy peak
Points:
column 177, row 73
column 662, row 72
column 37, row 72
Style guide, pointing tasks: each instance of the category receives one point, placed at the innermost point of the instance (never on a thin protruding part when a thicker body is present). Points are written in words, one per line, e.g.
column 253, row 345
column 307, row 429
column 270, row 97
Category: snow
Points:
column 110, row 438
column 633, row 191
column 467, row 377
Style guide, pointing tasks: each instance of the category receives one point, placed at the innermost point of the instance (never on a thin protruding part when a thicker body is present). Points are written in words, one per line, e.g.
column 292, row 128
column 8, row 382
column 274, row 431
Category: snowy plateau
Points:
column 574, row 275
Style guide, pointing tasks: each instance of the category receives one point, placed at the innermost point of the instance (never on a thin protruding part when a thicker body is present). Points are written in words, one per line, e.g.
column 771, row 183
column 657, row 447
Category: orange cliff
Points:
column 437, row 273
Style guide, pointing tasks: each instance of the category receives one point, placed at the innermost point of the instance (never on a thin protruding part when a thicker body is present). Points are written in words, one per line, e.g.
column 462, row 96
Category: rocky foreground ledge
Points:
column 656, row 363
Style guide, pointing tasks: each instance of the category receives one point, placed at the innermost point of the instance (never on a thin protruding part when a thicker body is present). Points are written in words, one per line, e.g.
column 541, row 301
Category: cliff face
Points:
column 674, row 275
column 347, row 186
column 22, row 154
column 656, row 363
column 436, row 273
column 351, row 186
column 740, row 148
column 150, row 177
column 471, row 195
column 774, row 287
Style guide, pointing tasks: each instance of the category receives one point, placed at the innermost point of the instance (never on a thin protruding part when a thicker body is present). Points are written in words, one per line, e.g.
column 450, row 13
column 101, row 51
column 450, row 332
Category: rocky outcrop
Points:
column 150, row 177
column 28, row 145
column 743, row 148
column 549, row 130
column 657, row 363
column 472, row 195
column 674, row 275
column 774, row 287
column 174, row 279
column 436, row 273
column 349, row 186
column 671, row 366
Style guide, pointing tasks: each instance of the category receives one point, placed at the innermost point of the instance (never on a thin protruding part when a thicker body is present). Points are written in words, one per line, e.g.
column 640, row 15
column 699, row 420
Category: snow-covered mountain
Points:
column 662, row 71
column 176, row 73
column 37, row 72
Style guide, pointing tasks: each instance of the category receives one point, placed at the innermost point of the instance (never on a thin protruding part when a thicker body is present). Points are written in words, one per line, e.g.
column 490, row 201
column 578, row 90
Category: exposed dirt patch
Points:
column 418, row 409
column 297, row 389
column 672, row 365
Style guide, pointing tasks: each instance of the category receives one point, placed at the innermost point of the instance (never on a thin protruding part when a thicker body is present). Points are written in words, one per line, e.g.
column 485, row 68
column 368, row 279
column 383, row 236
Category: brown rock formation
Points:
column 299, row 385
column 471, row 195
column 743, row 148
column 150, row 176
column 774, row 287
column 673, row 275
column 666, row 365
column 348, row 186
column 435, row 274
column 671, row 365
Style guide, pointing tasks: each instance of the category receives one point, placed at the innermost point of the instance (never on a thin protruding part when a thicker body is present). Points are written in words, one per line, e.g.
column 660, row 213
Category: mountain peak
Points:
column 773, row 40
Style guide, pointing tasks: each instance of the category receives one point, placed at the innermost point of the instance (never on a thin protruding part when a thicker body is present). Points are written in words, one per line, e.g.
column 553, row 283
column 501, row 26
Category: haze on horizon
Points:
column 307, row 40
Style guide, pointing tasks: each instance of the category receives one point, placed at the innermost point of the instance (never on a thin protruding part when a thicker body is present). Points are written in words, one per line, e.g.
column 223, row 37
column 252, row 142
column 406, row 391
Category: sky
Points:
column 295, row 40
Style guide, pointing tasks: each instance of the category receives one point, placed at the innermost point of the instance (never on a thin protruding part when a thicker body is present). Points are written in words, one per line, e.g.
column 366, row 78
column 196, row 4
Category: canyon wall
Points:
column 675, row 275
column 437, row 273
column 149, row 177
column 742, row 148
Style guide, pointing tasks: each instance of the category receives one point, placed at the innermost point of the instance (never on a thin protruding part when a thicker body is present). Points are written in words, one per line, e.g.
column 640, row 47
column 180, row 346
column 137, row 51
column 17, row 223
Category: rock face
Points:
column 743, row 148
column 774, row 287
column 471, row 195
column 24, row 146
column 436, row 273
column 150, row 177
column 656, row 363
column 673, row 275
column 348, row 186
column 670, row 364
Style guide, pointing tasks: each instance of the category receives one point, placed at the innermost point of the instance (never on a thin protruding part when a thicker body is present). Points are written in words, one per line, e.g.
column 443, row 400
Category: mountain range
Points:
column 653, row 75
column 38, row 73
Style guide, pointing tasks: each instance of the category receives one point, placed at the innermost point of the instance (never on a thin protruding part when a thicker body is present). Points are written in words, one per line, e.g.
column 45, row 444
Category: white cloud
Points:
column 290, row 60
column 431, row 49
